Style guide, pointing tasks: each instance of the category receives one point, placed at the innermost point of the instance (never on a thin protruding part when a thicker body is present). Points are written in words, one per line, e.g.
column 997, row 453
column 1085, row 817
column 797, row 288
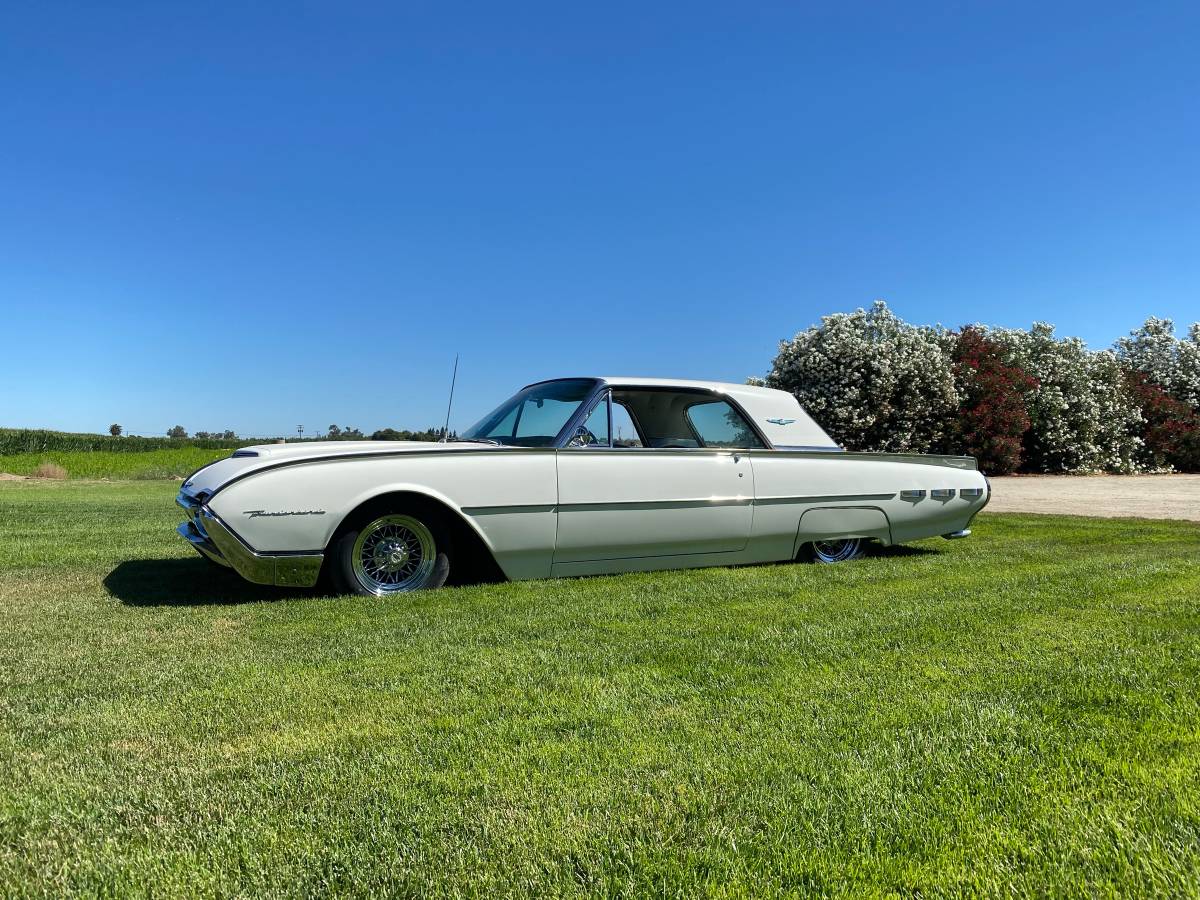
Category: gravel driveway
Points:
column 1144, row 496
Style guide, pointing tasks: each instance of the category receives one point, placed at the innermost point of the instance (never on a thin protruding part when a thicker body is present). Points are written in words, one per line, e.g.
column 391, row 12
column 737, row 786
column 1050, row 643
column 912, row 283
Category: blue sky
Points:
column 257, row 217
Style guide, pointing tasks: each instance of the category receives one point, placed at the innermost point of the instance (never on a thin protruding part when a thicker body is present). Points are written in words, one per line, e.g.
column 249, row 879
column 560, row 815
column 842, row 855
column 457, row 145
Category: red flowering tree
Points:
column 993, row 418
column 1171, row 433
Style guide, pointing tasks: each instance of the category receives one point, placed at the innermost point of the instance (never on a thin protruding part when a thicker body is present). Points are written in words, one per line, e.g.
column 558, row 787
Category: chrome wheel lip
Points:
column 838, row 550
column 393, row 554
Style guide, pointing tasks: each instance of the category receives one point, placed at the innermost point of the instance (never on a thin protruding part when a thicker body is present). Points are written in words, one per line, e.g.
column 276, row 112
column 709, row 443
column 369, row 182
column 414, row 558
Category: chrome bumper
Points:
column 211, row 537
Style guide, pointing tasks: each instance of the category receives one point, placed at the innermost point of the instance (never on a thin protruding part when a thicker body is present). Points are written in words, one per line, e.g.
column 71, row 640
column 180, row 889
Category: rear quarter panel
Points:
column 788, row 484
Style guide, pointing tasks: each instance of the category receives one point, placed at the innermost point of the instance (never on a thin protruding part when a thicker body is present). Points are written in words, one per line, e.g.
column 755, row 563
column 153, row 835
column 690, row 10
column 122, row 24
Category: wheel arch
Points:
column 838, row 522
column 475, row 555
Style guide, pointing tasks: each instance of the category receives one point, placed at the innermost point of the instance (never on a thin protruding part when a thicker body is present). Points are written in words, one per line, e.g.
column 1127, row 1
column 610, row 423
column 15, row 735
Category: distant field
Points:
column 1011, row 715
column 149, row 464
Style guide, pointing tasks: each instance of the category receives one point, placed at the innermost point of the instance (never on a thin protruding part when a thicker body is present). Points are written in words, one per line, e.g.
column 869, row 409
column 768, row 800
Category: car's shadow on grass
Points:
column 903, row 550
column 189, row 582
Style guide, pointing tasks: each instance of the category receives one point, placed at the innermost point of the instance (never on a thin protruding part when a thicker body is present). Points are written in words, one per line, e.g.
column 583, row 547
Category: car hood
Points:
column 263, row 456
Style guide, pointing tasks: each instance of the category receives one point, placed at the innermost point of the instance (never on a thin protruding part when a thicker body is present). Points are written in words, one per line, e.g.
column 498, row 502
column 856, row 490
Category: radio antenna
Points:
column 450, row 403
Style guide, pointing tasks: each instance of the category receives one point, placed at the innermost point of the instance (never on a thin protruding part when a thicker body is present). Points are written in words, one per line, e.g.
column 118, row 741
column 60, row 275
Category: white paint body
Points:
column 579, row 511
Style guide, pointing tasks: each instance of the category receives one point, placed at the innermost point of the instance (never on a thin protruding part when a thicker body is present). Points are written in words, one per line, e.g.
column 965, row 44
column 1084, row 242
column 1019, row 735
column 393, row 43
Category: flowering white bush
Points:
column 1082, row 417
column 875, row 382
column 872, row 381
column 1172, row 363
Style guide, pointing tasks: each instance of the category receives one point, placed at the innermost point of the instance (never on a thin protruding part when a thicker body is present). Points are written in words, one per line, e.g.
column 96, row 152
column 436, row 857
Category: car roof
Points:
column 778, row 414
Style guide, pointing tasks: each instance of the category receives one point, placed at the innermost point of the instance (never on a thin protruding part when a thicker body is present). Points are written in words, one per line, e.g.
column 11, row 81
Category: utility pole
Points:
column 300, row 431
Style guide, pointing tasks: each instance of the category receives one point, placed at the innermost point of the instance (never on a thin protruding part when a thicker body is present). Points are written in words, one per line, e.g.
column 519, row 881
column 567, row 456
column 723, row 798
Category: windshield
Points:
column 533, row 417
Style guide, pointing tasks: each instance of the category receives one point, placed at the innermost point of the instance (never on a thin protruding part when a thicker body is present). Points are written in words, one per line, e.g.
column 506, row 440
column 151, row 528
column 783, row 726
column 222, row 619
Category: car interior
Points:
column 683, row 419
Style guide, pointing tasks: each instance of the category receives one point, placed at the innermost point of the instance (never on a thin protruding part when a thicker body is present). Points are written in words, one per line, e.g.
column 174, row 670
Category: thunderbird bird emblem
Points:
column 781, row 421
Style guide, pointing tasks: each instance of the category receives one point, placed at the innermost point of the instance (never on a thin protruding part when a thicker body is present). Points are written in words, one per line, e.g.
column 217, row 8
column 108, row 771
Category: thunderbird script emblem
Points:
column 256, row 513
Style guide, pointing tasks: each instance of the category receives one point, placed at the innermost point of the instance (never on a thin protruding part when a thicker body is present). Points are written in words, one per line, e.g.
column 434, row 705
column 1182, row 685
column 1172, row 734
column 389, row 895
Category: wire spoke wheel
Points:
column 394, row 554
column 837, row 550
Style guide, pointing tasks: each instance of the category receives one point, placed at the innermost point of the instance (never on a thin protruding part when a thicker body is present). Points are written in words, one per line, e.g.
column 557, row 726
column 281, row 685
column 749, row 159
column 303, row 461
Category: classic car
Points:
column 572, row 476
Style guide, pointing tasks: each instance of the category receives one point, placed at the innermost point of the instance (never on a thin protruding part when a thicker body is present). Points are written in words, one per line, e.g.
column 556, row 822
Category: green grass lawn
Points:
column 175, row 462
column 1013, row 714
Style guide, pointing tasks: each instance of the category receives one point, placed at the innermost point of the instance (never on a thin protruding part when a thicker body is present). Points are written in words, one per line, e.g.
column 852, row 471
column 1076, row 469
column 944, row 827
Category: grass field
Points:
column 1013, row 714
column 150, row 464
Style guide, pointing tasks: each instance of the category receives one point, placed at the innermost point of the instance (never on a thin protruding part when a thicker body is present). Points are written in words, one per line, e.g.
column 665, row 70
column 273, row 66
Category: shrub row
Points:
column 1016, row 399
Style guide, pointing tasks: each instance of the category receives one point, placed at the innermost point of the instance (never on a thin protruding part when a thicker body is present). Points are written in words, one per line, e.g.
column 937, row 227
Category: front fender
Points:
column 508, row 499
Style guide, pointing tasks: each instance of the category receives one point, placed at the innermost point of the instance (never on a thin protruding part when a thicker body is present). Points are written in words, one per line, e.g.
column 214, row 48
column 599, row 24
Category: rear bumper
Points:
column 211, row 537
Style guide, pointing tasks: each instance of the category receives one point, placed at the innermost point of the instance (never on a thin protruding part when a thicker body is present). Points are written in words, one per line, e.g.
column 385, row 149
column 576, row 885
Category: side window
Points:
column 625, row 433
column 594, row 431
column 718, row 424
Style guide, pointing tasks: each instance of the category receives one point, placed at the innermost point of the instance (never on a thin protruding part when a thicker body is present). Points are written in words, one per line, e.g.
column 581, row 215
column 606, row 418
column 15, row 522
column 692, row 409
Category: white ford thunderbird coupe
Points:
column 575, row 476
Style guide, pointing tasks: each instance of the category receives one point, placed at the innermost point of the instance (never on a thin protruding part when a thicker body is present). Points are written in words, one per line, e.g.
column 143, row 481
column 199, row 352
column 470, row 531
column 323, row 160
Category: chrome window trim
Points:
column 608, row 401
column 579, row 416
column 602, row 386
column 805, row 448
column 590, row 407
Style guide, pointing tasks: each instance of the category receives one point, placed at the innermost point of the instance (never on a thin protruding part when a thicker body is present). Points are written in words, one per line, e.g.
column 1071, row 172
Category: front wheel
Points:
column 394, row 553
column 834, row 551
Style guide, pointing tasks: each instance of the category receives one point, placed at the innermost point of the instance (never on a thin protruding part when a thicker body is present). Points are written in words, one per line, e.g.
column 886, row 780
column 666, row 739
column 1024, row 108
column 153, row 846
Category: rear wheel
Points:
column 391, row 553
column 834, row 551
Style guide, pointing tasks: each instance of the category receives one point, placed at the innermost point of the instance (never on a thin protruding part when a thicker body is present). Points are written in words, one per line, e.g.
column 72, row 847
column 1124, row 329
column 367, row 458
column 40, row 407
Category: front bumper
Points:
column 211, row 537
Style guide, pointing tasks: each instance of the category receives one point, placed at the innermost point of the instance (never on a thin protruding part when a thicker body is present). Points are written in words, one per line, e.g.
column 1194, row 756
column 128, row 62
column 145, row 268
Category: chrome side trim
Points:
column 670, row 504
column 508, row 508
column 659, row 504
column 970, row 493
column 912, row 495
column 607, row 450
column 285, row 569
column 942, row 493
column 823, row 498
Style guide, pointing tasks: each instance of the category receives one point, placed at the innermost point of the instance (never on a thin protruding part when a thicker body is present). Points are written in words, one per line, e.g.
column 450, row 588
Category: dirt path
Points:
column 1145, row 496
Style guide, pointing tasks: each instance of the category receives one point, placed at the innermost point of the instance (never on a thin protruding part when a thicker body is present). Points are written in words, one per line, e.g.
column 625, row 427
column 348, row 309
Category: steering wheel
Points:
column 583, row 438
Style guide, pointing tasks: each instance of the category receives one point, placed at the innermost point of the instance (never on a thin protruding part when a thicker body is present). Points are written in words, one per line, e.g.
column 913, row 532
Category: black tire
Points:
column 397, row 551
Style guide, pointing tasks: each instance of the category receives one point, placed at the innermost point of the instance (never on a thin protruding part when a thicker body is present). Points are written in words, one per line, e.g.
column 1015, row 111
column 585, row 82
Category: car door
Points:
column 665, row 492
